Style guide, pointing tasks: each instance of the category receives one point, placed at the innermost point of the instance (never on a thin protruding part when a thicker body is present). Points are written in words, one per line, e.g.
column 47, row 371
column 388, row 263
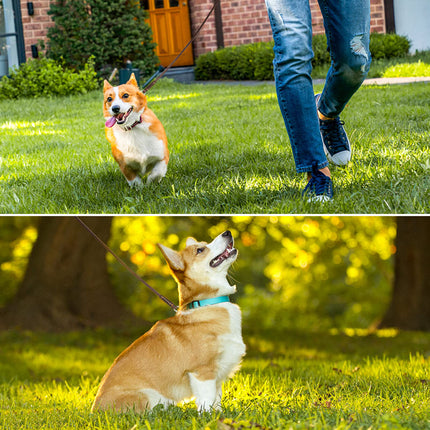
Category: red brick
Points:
column 243, row 22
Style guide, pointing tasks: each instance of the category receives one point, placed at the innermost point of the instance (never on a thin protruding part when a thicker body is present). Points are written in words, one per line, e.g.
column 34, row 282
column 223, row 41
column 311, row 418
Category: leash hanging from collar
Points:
column 165, row 299
column 162, row 70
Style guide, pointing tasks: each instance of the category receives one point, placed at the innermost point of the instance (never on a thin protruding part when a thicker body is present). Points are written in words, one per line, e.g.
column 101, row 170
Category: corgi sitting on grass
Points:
column 137, row 137
column 190, row 354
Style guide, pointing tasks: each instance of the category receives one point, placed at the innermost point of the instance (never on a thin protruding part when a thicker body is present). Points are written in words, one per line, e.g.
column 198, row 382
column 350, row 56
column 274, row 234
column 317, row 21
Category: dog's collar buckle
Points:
column 128, row 128
column 206, row 302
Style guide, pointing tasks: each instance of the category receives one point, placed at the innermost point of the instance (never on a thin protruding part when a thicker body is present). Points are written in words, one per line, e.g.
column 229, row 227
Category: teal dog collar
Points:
column 206, row 302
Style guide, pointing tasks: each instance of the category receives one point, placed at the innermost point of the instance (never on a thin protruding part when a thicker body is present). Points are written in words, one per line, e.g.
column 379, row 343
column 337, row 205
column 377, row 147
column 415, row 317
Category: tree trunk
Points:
column 410, row 303
column 66, row 284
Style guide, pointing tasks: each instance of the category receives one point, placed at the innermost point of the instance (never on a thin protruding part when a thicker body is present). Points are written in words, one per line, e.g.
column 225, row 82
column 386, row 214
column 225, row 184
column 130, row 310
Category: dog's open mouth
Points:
column 228, row 252
column 121, row 118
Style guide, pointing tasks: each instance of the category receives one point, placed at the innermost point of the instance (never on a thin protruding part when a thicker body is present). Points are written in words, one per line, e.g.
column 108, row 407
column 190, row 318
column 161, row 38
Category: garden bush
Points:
column 254, row 61
column 112, row 32
column 388, row 45
column 47, row 77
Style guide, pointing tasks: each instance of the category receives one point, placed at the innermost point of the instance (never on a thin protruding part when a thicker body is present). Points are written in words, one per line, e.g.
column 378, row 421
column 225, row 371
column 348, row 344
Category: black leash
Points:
column 165, row 299
column 162, row 70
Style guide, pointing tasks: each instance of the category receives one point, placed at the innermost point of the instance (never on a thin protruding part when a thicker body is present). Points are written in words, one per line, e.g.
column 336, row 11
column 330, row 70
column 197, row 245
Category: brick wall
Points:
column 377, row 16
column 35, row 27
column 247, row 22
column 243, row 22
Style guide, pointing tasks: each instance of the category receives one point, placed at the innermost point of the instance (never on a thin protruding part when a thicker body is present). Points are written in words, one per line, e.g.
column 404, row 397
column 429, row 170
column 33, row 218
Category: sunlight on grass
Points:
column 26, row 128
column 173, row 97
column 262, row 96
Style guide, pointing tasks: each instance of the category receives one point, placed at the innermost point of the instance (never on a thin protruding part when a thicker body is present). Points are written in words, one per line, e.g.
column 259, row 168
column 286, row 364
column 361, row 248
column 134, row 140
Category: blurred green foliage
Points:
column 17, row 235
column 295, row 272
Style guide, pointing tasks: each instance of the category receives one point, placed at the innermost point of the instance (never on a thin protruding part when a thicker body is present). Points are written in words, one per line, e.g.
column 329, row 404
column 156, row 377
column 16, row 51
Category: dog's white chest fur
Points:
column 139, row 145
column 232, row 348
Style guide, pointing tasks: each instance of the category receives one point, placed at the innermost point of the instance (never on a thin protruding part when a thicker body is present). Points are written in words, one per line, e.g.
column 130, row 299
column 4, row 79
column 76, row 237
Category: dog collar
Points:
column 133, row 125
column 200, row 303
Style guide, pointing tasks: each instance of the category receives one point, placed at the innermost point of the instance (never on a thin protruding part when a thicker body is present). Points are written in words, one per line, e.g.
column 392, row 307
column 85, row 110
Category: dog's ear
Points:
column 132, row 81
column 106, row 85
column 190, row 241
column 173, row 258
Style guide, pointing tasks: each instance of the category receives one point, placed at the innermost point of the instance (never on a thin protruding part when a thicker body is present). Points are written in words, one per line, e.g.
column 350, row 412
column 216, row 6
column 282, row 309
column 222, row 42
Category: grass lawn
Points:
column 229, row 154
column 288, row 380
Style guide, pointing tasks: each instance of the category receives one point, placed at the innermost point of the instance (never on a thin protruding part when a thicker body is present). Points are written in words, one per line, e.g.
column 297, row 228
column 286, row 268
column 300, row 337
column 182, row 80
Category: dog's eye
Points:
column 109, row 99
column 199, row 250
column 125, row 96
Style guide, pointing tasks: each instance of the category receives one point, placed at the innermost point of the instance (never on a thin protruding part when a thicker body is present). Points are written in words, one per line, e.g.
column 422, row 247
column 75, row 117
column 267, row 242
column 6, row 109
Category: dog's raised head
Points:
column 201, row 268
column 123, row 105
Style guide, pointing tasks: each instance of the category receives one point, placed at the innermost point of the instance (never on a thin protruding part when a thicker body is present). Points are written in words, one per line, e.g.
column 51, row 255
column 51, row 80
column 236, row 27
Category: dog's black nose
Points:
column 227, row 233
column 115, row 109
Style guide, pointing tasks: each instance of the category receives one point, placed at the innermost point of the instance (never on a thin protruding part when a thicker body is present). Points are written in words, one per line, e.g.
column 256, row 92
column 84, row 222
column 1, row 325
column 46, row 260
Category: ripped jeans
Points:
column 347, row 26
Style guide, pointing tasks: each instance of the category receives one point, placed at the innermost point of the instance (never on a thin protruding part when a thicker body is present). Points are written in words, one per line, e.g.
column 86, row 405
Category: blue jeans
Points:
column 347, row 26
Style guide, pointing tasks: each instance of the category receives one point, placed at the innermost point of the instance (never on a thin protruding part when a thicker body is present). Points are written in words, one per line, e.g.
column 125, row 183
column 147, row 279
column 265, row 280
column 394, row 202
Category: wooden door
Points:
column 170, row 23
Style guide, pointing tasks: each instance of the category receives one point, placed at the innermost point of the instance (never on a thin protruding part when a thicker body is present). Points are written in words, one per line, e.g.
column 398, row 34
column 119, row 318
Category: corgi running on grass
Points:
column 188, row 355
column 137, row 137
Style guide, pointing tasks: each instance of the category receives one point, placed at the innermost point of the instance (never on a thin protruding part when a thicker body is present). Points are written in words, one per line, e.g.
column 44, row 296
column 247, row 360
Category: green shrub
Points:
column 254, row 61
column 47, row 77
column 388, row 45
column 112, row 32
column 236, row 62
column 206, row 67
column 321, row 54
column 263, row 70
column 416, row 69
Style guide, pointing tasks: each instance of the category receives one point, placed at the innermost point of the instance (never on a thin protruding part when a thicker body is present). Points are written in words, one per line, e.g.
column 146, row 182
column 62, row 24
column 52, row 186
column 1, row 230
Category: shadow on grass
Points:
column 336, row 345
column 38, row 356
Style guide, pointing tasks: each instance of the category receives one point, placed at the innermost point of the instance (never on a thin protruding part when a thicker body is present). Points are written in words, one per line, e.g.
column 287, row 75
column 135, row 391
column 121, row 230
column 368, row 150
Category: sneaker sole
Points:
column 319, row 199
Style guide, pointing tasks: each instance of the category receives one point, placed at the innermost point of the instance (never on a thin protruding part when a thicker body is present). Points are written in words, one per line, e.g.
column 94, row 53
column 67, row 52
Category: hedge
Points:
column 47, row 77
column 254, row 61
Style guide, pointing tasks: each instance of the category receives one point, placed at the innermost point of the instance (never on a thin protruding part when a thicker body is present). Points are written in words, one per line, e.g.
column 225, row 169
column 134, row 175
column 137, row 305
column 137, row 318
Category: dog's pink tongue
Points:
column 110, row 122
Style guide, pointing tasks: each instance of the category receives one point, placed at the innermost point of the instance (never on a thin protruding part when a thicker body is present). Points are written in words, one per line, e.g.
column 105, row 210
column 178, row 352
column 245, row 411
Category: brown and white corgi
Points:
column 188, row 355
column 137, row 137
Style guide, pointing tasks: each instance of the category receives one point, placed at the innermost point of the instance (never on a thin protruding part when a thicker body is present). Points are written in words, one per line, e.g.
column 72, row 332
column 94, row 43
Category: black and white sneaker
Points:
column 336, row 144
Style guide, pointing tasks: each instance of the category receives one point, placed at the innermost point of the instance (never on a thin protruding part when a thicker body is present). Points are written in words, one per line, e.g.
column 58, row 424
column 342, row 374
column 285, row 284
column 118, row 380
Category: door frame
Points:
column 18, row 34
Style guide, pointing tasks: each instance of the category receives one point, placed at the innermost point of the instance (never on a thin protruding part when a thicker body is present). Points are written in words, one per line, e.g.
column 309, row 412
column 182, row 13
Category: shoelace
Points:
column 334, row 137
column 319, row 184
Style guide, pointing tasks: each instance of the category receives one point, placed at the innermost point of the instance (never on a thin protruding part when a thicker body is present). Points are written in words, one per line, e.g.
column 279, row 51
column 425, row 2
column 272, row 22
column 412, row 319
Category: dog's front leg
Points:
column 218, row 399
column 204, row 391
column 158, row 172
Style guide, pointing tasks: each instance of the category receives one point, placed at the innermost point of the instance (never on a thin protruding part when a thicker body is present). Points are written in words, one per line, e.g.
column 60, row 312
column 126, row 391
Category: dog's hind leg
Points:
column 133, row 400
column 158, row 172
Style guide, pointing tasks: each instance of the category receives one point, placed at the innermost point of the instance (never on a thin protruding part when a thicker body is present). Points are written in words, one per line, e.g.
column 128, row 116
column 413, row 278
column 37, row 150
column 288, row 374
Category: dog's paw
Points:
column 153, row 179
column 136, row 182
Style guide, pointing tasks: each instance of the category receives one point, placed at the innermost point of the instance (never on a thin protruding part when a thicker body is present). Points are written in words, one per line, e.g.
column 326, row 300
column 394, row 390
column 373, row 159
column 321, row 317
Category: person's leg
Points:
column 347, row 26
column 292, row 32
